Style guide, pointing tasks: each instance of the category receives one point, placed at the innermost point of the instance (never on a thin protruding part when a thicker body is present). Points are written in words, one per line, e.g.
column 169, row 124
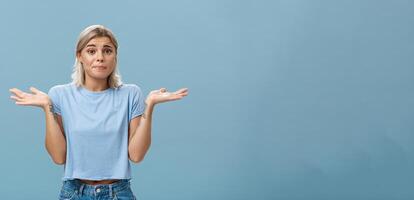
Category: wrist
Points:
column 149, row 102
column 48, row 105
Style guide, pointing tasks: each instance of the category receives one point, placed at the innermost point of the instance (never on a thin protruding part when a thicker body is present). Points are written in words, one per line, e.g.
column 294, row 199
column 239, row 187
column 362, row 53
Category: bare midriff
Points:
column 93, row 182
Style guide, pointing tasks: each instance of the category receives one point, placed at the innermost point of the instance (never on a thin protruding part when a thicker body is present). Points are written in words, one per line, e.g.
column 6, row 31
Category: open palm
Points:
column 36, row 98
column 161, row 95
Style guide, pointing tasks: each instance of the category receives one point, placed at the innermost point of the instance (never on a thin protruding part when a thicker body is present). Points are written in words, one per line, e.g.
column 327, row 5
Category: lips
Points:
column 99, row 67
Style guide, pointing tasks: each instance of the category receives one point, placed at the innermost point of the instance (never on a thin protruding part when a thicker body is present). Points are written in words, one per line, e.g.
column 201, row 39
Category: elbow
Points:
column 136, row 159
column 137, row 156
column 59, row 161
column 58, row 158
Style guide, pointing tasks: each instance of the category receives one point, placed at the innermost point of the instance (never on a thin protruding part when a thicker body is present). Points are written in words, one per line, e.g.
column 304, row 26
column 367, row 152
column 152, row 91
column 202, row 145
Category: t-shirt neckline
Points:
column 89, row 92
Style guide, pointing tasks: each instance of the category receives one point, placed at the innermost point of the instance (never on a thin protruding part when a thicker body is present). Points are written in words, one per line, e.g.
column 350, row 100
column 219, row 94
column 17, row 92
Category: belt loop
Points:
column 81, row 189
column 110, row 191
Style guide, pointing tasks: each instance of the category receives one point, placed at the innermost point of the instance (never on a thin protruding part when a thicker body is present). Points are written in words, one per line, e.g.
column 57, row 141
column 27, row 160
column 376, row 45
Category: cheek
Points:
column 86, row 60
column 112, row 61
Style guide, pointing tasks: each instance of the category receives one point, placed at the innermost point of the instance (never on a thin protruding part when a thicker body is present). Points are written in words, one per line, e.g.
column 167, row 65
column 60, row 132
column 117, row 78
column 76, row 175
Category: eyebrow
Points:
column 92, row 45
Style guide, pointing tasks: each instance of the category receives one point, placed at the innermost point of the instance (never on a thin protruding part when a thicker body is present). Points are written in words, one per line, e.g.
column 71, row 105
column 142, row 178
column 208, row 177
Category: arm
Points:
column 140, row 127
column 55, row 141
column 140, row 135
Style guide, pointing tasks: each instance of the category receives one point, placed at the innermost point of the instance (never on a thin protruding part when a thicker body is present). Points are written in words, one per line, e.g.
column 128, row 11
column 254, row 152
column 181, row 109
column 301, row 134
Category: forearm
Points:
column 55, row 141
column 141, row 139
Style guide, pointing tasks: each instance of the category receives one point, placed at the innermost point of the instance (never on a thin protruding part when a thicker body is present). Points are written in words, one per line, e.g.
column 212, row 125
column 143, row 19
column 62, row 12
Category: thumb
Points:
column 34, row 90
column 163, row 90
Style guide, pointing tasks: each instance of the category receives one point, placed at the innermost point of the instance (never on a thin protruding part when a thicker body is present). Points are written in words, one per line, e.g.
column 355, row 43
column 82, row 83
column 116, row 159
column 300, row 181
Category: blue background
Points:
column 289, row 99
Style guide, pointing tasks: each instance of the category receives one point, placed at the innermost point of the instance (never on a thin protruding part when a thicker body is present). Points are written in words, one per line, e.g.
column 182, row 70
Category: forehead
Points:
column 100, row 41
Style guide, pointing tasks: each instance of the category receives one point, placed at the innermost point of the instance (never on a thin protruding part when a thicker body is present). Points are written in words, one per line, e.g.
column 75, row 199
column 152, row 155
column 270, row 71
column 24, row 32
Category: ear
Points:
column 79, row 57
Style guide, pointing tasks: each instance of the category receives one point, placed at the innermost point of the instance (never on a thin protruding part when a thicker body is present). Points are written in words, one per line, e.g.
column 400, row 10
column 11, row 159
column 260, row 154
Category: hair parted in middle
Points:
column 89, row 33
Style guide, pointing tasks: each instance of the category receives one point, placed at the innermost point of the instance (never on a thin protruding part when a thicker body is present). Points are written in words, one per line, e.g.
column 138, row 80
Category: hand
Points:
column 161, row 95
column 37, row 98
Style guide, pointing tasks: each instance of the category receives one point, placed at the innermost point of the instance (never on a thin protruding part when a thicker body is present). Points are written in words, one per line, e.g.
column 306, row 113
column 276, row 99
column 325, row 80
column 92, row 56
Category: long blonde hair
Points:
column 78, row 74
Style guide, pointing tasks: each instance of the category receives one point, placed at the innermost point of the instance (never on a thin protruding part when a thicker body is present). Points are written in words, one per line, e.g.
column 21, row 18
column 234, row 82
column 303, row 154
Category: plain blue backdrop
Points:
column 290, row 99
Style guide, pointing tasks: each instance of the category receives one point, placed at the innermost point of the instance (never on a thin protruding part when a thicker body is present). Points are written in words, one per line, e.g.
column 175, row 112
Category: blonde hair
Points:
column 89, row 33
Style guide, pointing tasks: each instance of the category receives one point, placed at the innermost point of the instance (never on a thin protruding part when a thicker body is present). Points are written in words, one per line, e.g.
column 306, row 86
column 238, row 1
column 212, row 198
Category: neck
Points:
column 96, row 85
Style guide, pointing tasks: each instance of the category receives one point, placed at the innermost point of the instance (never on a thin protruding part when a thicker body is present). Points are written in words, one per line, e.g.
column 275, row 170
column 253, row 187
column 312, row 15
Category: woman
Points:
column 96, row 124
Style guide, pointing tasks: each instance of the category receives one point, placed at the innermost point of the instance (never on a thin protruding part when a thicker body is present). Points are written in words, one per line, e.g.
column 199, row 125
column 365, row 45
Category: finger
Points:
column 173, row 98
column 16, row 98
column 163, row 89
column 34, row 90
column 17, row 92
column 182, row 90
column 22, row 103
column 182, row 94
column 179, row 96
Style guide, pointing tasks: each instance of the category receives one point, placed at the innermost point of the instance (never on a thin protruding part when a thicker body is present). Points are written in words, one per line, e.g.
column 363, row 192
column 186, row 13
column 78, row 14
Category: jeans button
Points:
column 98, row 190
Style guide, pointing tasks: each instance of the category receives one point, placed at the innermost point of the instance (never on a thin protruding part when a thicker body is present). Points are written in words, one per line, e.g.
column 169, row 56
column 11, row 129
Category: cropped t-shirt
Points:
column 96, row 129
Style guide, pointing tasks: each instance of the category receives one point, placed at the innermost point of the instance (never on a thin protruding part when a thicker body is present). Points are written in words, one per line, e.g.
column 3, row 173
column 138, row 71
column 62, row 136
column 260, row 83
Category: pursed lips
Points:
column 99, row 67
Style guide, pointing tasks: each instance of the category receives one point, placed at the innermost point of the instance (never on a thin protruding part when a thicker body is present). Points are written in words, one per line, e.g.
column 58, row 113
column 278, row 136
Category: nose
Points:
column 99, row 56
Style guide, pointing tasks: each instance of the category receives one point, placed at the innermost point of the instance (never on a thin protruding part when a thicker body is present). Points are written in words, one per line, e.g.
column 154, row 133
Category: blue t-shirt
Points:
column 96, row 129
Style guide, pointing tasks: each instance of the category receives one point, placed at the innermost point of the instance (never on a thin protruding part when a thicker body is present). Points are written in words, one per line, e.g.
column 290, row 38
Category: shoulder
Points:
column 130, row 88
column 60, row 88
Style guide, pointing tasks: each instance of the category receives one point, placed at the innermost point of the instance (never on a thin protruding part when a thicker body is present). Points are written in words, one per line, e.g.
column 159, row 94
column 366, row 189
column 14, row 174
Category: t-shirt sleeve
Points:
column 54, row 97
column 137, row 104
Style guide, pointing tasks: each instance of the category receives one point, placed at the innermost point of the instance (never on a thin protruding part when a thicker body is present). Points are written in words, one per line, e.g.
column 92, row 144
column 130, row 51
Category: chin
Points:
column 99, row 76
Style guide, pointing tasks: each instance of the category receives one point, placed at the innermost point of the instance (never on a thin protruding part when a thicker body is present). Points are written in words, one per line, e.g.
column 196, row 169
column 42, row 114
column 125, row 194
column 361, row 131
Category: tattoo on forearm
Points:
column 55, row 116
column 51, row 108
column 52, row 111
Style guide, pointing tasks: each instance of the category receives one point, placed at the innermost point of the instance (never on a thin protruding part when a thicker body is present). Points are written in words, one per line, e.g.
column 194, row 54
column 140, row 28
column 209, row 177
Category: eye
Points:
column 108, row 51
column 91, row 51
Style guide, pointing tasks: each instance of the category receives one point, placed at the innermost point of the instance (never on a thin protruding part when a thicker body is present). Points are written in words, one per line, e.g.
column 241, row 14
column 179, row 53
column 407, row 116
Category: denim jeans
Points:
column 77, row 190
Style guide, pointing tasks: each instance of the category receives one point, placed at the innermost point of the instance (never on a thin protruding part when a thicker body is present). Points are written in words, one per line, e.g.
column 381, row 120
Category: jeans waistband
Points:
column 95, row 190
